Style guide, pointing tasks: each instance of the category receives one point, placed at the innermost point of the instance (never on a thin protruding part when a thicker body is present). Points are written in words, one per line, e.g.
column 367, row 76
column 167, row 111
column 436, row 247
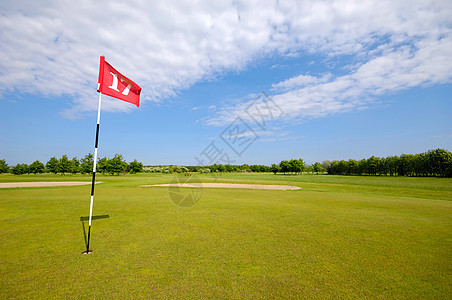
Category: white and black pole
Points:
column 94, row 173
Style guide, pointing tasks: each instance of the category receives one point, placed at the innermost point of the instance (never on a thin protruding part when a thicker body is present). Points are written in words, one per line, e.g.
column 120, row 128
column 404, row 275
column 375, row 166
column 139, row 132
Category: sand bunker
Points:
column 4, row 185
column 231, row 186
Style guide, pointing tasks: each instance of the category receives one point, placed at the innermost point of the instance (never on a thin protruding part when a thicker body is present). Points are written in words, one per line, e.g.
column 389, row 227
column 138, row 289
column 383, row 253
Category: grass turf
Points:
column 340, row 237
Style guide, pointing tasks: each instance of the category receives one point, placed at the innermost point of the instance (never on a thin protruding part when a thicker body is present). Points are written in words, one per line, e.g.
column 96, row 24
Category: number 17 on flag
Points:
column 114, row 84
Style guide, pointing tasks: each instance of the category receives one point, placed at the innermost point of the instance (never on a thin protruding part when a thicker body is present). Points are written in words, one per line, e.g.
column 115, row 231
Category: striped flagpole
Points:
column 94, row 172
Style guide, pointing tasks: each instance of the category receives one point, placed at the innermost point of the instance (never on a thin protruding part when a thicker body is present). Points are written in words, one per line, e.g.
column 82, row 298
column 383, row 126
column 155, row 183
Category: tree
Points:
column 3, row 166
column 341, row 167
column 317, row 167
column 116, row 164
column 362, row 166
column 75, row 165
column 20, row 169
column 53, row 165
column 296, row 165
column 332, row 168
column 406, row 165
column 351, row 167
column 260, row 168
column 86, row 164
column 373, row 165
column 383, row 166
column 245, row 168
column 275, row 168
column 254, row 168
column 229, row 168
column 440, row 161
column 448, row 172
column 309, row 169
column 391, row 162
column 65, row 164
column 266, row 169
column 102, row 165
column 337, row 167
column 135, row 167
column 418, row 164
column 285, row 166
column 36, row 167
column 326, row 164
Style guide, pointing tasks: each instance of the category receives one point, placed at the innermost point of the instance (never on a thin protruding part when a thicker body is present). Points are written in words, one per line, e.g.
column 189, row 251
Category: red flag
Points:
column 114, row 84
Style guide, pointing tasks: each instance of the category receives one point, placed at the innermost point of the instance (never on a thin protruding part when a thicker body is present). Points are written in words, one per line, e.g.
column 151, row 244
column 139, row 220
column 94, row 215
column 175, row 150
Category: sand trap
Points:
column 5, row 185
column 231, row 186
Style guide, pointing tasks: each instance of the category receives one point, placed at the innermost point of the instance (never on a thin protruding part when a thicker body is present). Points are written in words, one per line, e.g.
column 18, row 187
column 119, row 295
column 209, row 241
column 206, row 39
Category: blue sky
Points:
column 345, row 79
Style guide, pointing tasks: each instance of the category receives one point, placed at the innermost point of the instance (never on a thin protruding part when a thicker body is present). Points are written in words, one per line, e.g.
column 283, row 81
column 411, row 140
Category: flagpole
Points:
column 94, row 172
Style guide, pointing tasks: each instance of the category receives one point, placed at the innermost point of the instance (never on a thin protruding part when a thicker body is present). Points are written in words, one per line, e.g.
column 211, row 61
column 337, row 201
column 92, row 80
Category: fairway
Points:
column 337, row 237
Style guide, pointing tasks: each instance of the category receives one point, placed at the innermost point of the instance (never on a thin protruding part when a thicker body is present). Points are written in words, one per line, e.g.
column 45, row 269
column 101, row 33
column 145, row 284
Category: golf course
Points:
column 352, row 237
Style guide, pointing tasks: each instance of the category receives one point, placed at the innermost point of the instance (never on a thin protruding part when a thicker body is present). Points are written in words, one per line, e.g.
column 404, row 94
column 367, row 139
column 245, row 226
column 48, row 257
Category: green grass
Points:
column 338, row 237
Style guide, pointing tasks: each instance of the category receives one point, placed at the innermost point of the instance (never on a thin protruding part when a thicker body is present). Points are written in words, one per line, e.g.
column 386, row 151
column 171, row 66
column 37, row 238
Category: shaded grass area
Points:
column 331, row 239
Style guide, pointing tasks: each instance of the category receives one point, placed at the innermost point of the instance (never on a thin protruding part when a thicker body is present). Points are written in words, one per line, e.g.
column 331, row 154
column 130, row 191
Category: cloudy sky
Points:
column 241, row 81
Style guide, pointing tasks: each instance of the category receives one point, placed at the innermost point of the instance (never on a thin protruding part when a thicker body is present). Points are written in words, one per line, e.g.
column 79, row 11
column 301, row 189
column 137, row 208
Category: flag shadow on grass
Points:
column 83, row 219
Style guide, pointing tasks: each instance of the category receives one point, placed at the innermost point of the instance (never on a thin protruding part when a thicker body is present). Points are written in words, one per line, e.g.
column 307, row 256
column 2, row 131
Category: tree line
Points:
column 64, row 165
column 436, row 162
column 216, row 168
column 431, row 163
column 292, row 166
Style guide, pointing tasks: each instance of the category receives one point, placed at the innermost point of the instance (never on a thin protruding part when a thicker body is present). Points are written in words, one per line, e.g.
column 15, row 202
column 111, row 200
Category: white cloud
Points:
column 410, row 47
column 426, row 63
column 300, row 81
column 52, row 47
